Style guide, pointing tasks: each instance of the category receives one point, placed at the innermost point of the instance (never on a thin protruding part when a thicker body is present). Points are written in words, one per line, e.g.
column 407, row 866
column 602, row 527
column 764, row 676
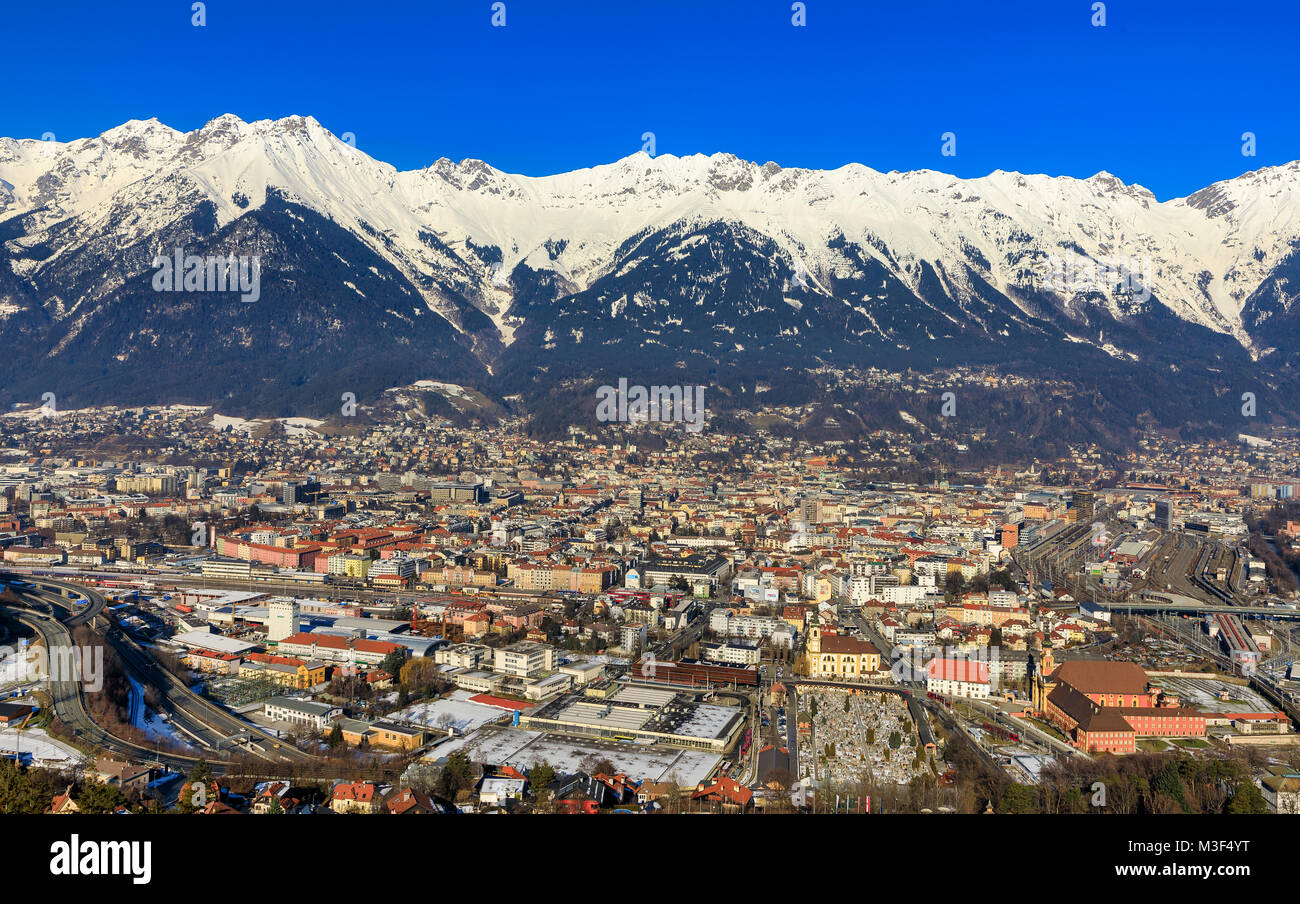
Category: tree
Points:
column 1247, row 799
column 420, row 676
column 593, row 765
column 1018, row 798
column 540, row 779
column 1072, row 801
column 195, row 793
column 335, row 736
column 457, row 775
column 393, row 662
column 1169, row 783
column 27, row 791
column 1002, row 579
column 541, row 776
column 97, row 798
column 953, row 584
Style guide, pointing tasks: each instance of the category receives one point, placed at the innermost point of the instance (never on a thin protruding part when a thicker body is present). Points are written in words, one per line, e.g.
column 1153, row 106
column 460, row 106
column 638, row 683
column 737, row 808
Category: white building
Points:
column 524, row 658
column 401, row 566
column 282, row 619
column 633, row 637
column 728, row 624
column 305, row 713
column 906, row 596
column 733, row 653
column 957, row 678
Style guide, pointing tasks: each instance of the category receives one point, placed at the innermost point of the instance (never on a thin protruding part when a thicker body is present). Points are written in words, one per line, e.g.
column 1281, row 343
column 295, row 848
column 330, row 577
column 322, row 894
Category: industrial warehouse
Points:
column 642, row 714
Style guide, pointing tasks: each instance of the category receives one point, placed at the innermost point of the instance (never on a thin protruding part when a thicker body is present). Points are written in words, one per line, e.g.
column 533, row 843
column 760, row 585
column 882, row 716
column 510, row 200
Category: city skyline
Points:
column 690, row 407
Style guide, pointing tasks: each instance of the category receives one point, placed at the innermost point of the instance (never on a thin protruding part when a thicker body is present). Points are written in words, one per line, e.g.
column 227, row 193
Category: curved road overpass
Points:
column 50, row 614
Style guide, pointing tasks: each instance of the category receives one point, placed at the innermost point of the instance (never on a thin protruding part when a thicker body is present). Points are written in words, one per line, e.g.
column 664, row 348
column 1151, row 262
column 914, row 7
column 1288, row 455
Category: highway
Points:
column 50, row 613
column 69, row 707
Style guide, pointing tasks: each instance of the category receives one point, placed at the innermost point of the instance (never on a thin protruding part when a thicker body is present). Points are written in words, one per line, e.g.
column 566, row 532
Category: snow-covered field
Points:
column 523, row 749
column 149, row 723
column 454, row 712
column 293, row 426
column 44, row 749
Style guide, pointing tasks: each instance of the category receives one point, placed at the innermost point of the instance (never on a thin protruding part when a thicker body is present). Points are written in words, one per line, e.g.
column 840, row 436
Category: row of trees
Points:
column 1139, row 784
column 30, row 791
column 955, row 585
column 1279, row 571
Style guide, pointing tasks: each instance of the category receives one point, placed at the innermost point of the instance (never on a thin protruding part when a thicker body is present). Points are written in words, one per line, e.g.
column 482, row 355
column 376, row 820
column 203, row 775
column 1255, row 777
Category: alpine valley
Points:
column 664, row 269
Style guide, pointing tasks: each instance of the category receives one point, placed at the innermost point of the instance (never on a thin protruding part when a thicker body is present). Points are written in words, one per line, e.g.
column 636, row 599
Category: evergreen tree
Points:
column 1247, row 799
column 1018, row 798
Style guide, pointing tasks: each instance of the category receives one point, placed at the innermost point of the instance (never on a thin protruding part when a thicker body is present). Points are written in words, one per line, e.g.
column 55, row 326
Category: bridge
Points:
column 1175, row 604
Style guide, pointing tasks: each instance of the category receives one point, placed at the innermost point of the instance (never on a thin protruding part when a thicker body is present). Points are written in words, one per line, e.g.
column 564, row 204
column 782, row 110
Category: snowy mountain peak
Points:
column 458, row 230
column 1112, row 184
column 134, row 129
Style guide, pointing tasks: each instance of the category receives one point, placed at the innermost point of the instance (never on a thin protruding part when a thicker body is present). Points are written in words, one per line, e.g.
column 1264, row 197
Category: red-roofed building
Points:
column 726, row 792
column 957, row 677
column 357, row 797
column 409, row 802
column 332, row 648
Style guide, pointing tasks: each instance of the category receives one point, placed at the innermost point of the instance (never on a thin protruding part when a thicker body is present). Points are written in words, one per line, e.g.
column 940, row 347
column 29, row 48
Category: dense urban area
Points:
column 396, row 613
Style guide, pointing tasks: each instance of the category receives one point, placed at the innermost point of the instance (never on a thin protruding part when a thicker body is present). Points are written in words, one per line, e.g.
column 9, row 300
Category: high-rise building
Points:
column 282, row 620
column 1084, row 504
column 1166, row 515
column 1010, row 536
column 810, row 510
column 303, row 492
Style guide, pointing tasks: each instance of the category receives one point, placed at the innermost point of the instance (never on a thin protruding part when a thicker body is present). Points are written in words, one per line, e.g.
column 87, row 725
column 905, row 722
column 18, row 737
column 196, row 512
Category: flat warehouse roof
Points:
column 644, row 696
column 219, row 643
column 603, row 715
column 704, row 720
column 525, row 748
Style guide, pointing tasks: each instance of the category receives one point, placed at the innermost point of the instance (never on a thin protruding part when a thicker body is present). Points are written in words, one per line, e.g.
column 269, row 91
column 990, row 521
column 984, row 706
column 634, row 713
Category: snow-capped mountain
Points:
column 458, row 270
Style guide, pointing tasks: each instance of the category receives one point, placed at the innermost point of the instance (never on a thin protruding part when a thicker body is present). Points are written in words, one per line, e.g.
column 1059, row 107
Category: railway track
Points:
column 50, row 613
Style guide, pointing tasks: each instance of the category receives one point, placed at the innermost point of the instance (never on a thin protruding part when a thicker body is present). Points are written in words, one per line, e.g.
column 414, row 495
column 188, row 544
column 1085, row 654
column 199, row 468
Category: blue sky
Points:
column 1161, row 95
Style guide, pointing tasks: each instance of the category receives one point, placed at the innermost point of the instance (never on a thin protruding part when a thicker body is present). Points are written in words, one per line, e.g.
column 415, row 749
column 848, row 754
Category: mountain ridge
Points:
column 718, row 257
